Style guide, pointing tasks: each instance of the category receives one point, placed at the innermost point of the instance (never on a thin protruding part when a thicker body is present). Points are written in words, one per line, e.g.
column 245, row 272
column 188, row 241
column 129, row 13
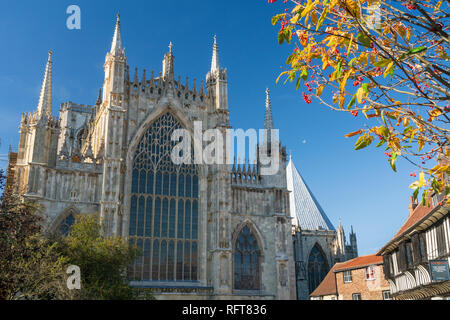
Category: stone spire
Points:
column 116, row 46
column 45, row 98
column 268, row 121
column 168, row 64
column 215, row 57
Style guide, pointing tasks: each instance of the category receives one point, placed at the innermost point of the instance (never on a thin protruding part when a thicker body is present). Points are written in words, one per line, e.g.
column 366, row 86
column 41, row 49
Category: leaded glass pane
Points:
column 171, row 261
column 133, row 215
column 194, row 220
column 148, row 217
column 141, row 213
column 165, row 218
column 163, row 208
column 187, row 220
column 157, row 226
column 172, row 218
column 188, row 186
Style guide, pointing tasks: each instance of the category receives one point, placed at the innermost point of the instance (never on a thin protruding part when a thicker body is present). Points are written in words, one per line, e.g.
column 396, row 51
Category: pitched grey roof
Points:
column 305, row 209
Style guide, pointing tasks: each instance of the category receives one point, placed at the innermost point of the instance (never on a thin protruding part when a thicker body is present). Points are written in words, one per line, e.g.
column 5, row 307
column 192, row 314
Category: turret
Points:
column 216, row 81
column 115, row 65
column 353, row 244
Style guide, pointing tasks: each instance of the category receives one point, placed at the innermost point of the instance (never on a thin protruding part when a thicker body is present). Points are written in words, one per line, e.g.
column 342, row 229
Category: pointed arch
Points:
column 64, row 220
column 318, row 267
column 162, row 206
column 259, row 236
column 247, row 258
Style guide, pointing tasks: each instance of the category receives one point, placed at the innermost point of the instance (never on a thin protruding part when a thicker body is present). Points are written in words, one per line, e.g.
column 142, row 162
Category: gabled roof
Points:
column 419, row 212
column 305, row 209
column 360, row 262
column 328, row 285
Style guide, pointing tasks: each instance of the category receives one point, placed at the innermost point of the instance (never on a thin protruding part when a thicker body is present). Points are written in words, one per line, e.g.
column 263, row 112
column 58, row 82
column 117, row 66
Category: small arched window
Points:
column 246, row 261
column 64, row 227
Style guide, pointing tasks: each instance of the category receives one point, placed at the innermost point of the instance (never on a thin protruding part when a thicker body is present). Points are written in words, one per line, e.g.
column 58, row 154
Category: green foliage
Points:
column 102, row 260
column 33, row 265
column 30, row 266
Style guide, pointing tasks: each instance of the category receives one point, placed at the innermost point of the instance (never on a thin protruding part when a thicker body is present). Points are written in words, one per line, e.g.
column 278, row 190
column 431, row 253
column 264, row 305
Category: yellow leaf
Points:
column 360, row 94
column 354, row 133
column 389, row 68
column 295, row 19
column 421, row 143
column 308, row 8
column 422, row 179
column 344, row 81
column 350, row 45
column 319, row 91
column 297, row 8
column 314, row 17
column 408, row 34
column 341, row 101
column 401, row 30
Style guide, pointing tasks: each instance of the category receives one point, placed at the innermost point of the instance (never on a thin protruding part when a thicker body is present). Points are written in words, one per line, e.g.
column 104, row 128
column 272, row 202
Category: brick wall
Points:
column 369, row 289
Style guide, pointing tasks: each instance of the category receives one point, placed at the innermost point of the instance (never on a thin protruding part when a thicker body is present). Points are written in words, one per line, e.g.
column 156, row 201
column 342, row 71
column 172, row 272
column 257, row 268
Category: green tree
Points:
column 103, row 261
column 30, row 265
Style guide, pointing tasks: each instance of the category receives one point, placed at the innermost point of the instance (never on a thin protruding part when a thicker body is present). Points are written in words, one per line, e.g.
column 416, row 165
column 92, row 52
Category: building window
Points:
column 246, row 261
column 356, row 296
column 408, row 250
column 64, row 227
column 370, row 273
column 440, row 240
column 347, row 276
column 387, row 295
column 317, row 267
column 164, row 208
column 423, row 254
column 391, row 264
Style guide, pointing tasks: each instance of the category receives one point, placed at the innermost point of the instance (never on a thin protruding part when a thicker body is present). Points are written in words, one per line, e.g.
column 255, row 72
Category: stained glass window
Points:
column 317, row 267
column 164, row 208
column 246, row 261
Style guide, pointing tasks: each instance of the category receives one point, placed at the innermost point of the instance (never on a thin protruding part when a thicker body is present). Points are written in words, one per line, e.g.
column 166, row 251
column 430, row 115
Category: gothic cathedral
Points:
column 206, row 231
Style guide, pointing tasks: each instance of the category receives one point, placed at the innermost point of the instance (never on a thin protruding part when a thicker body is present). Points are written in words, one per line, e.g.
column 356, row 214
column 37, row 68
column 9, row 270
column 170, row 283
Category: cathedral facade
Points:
column 206, row 231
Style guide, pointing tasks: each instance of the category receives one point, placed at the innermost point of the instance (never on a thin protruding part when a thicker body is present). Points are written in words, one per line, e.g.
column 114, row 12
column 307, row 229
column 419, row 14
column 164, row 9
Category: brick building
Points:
column 361, row 278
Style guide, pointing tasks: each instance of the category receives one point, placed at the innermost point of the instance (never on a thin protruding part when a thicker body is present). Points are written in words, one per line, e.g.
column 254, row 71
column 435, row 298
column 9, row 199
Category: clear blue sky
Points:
column 357, row 186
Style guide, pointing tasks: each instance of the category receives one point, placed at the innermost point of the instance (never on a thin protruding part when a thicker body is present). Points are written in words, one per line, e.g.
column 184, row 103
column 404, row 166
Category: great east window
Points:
column 164, row 208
